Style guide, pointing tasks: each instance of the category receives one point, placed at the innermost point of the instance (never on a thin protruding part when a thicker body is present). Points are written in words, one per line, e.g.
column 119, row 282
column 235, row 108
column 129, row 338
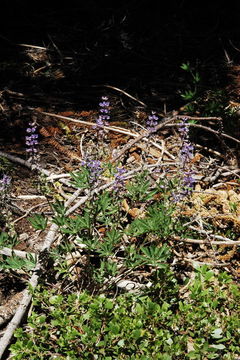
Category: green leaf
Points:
column 217, row 333
column 14, row 262
column 139, row 309
column 108, row 304
column 114, row 328
column 121, row 343
column 80, row 178
column 188, row 94
column 136, row 334
column 169, row 341
column 113, row 236
column 56, row 299
column 4, row 237
column 38, row 222
column 185, row 66
column 218, row 346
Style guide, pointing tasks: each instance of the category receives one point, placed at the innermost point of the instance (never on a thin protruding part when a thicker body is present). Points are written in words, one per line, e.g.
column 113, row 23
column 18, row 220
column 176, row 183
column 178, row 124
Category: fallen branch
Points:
column 142, row 136
column 207, row 233
column 29, row 165
column 110, row 128
column 10, row 252
column 123, row 92
column 201, row 263
column 200, row 118
column 198, row 241
column 217, row 133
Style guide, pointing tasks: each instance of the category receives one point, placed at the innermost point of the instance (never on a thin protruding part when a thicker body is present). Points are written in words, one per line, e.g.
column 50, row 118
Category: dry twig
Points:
column 198, row 241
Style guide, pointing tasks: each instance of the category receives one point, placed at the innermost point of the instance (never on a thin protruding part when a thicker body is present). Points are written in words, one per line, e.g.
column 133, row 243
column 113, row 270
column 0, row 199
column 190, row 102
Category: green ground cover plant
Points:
column 203, row 325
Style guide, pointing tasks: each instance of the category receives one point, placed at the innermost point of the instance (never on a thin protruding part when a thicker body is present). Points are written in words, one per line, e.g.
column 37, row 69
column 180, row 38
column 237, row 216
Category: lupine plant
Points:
column 4, row 185
column 104, row 114
column 32, row 142
column 185, row 156
column 94, row 170
column 152, row 121
column 119, row 179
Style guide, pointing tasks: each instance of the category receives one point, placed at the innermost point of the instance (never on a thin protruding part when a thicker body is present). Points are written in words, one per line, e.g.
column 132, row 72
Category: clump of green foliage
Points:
column 203, row 325
column 202, row 100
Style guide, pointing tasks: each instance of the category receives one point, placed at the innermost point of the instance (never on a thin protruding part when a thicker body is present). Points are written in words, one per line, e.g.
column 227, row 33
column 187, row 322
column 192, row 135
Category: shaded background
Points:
column 137, row 45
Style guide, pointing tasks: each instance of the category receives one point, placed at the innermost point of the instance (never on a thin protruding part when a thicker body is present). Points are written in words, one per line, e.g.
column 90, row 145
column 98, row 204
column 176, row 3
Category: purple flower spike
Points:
column 188, row 180
column 95, row 169
column 152, row 122
column 5, row 182
column 184, row 129
column 186, row 154
column 119, row 178
column 104, row 116
column 31, row 141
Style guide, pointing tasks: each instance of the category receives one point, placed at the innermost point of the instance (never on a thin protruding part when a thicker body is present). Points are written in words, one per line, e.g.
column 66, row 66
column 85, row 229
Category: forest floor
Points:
column 67, row 132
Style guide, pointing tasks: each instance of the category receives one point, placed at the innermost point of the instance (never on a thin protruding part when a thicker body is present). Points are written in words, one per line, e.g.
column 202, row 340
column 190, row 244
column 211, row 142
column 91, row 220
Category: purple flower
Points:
column 31, row 141
column 184, row 129
column 152, row 122
column 5, row 182
column 188, row 180
column 119, row 178
column 104, row 116
column 94, row 168
column 186, row 154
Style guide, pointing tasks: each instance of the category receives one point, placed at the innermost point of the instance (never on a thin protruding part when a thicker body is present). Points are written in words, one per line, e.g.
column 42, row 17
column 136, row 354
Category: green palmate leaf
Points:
column 4, row 238
column 186, row 66
column 105, row 249
column 140, row 188
column 105, row 208
column 155, row 256
column 81, row 178
column 196, row 77
column 7, row 240
column 188, row 94
column 159, row 221
column 16, row 263
column 38, row 222
column 76, row 224
column 59, row 208
column 113, row 236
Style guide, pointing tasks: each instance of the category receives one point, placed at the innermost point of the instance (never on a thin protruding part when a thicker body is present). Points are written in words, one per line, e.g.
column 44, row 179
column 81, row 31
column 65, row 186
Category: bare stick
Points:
column 33, row 46
column 199, row 118
column 10, row 252
column 123, row 92
column 207, row 129
column 29, row 165
column 200, row 263
column 198, row 241
column 88, row 123
column 140, row 137
column 219, row 237
column 110, row 128
column 29, row 211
